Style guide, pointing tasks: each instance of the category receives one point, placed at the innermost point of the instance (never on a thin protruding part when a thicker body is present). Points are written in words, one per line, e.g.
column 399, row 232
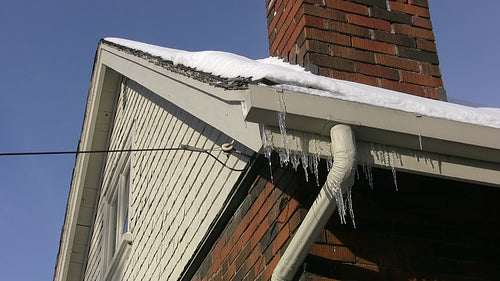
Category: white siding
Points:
column 175, row 195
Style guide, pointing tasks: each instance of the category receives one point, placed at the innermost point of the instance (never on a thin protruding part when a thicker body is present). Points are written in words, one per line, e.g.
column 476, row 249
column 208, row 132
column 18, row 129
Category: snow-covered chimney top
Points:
column 388, row 44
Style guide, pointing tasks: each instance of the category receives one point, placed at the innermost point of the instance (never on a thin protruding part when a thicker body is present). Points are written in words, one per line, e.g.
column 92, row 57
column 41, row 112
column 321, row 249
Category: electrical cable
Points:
column 182, row 147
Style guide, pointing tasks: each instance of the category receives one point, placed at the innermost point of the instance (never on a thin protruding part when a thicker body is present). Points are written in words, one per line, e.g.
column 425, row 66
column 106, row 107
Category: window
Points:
column 117, row 235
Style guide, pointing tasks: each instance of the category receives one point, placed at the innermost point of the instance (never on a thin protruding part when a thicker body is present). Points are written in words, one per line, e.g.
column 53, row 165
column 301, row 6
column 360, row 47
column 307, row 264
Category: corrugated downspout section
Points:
column 340, row 178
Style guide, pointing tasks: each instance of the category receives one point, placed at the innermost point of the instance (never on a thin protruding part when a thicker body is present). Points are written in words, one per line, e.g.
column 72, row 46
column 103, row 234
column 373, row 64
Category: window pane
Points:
column 113, row 219
column 125, row 199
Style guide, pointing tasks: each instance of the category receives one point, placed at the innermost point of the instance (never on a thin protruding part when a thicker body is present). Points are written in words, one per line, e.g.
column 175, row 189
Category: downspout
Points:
column 339, row 180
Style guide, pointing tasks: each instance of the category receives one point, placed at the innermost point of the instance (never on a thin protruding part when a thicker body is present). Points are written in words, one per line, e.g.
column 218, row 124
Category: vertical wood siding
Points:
column 175, row 195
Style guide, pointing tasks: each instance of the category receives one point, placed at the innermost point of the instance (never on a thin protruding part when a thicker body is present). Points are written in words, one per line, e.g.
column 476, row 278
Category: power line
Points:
column 182, row 147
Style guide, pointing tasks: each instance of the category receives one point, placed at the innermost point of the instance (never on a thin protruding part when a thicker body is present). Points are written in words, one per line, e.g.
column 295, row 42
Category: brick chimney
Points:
column 384, row 43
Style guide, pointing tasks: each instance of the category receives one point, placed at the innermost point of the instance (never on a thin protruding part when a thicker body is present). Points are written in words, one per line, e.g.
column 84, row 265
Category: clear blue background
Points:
column 47, row 52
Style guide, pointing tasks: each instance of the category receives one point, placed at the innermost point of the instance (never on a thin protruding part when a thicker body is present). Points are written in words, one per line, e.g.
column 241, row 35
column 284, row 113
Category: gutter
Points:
column 340, row 179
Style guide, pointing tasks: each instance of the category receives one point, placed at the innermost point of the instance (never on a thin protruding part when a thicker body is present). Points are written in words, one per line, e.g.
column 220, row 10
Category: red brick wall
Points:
column 430, row 229
column 389, row 44
column 254, row 239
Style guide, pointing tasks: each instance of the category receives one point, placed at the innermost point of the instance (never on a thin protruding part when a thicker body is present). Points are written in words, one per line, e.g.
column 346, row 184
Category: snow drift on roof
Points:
column 294, row 77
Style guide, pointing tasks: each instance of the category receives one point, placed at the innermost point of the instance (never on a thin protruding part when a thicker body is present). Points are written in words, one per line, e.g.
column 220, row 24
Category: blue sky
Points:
column 47, row 52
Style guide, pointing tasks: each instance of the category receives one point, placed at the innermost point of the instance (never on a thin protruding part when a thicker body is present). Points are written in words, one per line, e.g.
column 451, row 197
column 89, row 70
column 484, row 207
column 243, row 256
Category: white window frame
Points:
column 117, row 237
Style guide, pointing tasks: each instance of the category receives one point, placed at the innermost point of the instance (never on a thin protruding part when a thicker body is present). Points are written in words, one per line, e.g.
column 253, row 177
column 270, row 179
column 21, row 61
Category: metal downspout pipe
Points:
column 340, row 178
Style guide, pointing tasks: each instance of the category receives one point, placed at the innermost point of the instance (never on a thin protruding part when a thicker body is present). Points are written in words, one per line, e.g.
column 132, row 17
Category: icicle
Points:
column 398, row 157
column 340, row 206
column 329, row 163
column 357, row 173
column 395, row 178
column 284, row 158
column 294, row 160
column 387, row 157
column 305, row 163
column 368, row 174
column 351, row 210
column 282, row 125
column 420, row 141
column 315, row 163
column 268, row 149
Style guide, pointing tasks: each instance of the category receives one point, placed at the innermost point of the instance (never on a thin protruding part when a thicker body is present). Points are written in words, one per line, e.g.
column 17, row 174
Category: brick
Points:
column 402, row 87
column 431, row 69
column 375, row 3
column 226, row 250
column 285, row 24
column 281, row 238
column 421, row 3
column 371, row 45
column 413, row 31
column 351, row 53
column 317, row 47
column 292, row 37
column 398, row 39
column 314, row 2
column 292, row 55
column 259, row 201
column 316, row 22
column 332, row 62
column 287, row 212
column 432, row 93
column 326, row 36
column 422, row 22
column 326, row 72
column 369, row 22
column 270, row 268
column 346, row 28
column 323, row 12
column 347, row 6
column 409, row 9
column 392, row 16
column 332, row 252
column 289, row 28
column 259, row 233
column 354, row 77
column 419, row 55
column 218, row 247
column 271, row 40
column 301, row 39
column 396, row 62
column 272, row 22
column 229, row 274
column 426, row 45
column 377, row 71
column 420, row 79
column 295, row 220
column 243, row 254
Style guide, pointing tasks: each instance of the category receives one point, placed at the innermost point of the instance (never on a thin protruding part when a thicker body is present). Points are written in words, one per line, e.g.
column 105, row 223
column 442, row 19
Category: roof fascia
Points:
column 453, row 146
column 86, row 178
column 216, row 106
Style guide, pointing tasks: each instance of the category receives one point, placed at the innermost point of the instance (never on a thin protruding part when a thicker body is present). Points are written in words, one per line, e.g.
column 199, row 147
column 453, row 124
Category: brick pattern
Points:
column 431, row 229
column 424, row 231
column 338, row 38
column 253, row 241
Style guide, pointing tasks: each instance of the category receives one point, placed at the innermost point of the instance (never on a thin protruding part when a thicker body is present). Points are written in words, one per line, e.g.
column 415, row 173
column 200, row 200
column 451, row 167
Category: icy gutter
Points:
column 411, row 133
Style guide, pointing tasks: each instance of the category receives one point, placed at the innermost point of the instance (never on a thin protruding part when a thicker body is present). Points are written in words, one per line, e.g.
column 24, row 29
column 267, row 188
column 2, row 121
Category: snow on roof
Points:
column 295, row 78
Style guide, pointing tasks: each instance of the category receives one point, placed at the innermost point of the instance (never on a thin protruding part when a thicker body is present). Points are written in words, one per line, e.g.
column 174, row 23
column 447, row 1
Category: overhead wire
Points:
column 182, row 147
